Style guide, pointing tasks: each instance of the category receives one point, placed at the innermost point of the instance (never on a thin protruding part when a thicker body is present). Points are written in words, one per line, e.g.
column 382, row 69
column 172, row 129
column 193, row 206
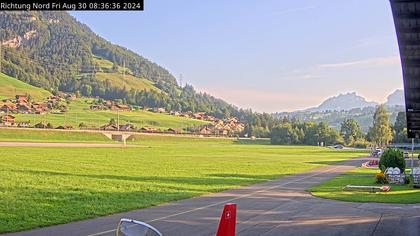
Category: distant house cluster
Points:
column 227, row 127
column 218, row 127
column 132, row 128
column 22, row 104
column 109, row 105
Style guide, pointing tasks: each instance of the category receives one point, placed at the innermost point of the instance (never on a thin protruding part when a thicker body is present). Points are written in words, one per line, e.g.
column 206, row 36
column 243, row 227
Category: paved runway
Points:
column 278, row 207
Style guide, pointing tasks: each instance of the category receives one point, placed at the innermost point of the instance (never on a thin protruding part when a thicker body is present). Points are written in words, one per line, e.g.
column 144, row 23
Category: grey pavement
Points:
column 277, row 207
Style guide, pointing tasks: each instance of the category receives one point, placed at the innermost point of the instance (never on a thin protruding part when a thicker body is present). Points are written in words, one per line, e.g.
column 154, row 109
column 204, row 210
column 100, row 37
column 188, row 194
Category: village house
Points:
column 173, row 131
column 109, row 127
column 23, row 108
column 147, row 129
column 39, row 111
column 71, row 97
column 114, row 108
column 108, row 104
column 224, row 132
column 40, row 108
column 199, row 115
column 8, row 120
column 206, row 131
column 20, row 99
column 8, row 108
column 122, row 107
column 211, row 118
column 96, row 107
column 53, row 99
column 65, row 127
column 127, row 127
column 61, row 94
column 159, row 110
column 175, row 113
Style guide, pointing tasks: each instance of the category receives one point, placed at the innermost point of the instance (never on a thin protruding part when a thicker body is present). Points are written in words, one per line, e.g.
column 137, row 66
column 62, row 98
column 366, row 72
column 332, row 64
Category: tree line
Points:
column 381, row 133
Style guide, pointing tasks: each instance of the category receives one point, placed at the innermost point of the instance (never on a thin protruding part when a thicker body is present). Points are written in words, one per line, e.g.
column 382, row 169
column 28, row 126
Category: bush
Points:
column 361, row 144
column 380, row 178
column 82, row 126
column 40, row 126
column 392, row 157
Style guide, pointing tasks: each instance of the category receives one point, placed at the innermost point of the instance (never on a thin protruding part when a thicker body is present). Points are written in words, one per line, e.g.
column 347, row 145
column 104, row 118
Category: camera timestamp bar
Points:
column 72, row 5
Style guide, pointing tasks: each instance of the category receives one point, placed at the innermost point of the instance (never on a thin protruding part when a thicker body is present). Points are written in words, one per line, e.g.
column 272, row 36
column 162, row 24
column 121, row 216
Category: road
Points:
column 277, row 207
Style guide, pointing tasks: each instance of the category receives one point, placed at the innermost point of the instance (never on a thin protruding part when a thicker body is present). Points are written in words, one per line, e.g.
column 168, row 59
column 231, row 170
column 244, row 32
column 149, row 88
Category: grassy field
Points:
column 24, row 135
column 127, row 81
column 45, row 186
column 79, row 109
column 10, row 87
column 119, row 80
column 79, row 112
column 333, row 189
column 107, row 65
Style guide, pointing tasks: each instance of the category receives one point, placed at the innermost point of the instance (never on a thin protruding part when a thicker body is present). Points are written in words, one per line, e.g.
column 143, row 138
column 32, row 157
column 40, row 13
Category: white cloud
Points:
column 370, row 62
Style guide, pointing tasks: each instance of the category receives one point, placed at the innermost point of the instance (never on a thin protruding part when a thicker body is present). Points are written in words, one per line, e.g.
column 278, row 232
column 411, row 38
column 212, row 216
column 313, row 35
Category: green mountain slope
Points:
column 10, row 87
column 54, row 51
column 57, row 42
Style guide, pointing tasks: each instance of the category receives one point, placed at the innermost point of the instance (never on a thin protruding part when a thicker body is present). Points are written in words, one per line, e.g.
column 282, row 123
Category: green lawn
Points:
column 10, row 87
column 333, row 189
column 45, row 186
column 24, row 135
column 79, row 112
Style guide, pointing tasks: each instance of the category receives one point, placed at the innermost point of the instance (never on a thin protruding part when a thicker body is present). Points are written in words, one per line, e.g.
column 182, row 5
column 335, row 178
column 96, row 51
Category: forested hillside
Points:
column 54, row 51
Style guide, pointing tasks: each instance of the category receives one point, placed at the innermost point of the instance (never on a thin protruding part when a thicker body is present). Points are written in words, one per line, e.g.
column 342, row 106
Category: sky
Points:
column 268, row 55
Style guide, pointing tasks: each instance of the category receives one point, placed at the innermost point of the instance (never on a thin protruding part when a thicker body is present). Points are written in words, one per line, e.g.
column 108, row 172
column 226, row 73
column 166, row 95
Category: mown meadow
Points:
column 46, row 186
column 79, row 112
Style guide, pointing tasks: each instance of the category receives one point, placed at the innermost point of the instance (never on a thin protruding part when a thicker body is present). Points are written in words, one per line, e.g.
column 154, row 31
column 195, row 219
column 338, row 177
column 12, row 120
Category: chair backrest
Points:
column 416, row 171
column 396, row 171
column 128, row 227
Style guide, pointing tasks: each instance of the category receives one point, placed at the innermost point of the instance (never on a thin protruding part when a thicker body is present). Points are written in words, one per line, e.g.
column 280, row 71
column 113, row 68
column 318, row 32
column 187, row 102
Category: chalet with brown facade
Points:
column 7, row 120
column 173, row 131
column 147, row 129
column 109, row 127
column 20, row 99
column 206, row 131
column 8, row 108
column 122, row 107
column 24, row 108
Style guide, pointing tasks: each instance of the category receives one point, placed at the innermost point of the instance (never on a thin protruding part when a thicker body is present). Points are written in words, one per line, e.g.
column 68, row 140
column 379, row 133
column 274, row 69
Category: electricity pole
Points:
column 118, row 120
